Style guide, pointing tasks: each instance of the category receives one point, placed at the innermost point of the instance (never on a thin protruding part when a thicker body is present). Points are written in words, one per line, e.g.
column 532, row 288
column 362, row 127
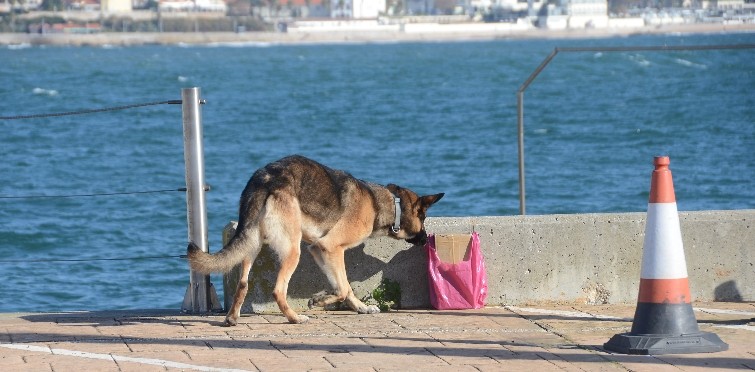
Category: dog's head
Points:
column 413, row 213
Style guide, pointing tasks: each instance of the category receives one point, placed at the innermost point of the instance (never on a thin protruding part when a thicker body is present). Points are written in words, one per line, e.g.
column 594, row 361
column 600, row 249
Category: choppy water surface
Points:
column 435, row 117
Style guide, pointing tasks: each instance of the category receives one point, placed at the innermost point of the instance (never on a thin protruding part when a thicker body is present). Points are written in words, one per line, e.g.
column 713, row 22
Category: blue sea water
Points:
column 435, row 117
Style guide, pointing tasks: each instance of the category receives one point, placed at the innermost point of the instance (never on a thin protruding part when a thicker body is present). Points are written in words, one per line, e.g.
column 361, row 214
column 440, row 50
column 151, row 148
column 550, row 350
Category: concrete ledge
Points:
column 580, row 258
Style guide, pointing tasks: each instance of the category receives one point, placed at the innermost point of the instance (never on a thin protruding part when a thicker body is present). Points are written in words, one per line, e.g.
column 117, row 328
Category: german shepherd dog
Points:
column 296, row 199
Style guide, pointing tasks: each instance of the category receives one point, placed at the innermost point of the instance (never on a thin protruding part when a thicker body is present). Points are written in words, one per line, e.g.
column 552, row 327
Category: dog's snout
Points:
column 419, row 239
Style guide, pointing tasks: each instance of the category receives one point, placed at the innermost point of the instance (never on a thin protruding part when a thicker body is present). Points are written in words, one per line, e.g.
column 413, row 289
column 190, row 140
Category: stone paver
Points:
column 541, row 337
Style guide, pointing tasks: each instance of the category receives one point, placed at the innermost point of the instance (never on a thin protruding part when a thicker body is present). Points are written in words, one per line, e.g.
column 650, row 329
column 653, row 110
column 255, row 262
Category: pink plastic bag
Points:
column 457, row 286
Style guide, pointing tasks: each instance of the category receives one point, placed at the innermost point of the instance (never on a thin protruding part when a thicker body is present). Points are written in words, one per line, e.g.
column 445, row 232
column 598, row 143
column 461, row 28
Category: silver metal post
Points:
column 520, row 126
column 520, row 130
column 200, row 297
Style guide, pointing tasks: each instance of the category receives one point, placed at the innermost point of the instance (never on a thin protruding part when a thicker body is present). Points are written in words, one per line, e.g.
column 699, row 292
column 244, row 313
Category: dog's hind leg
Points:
column 283, row 232
column 234, row 312
column 288, row 265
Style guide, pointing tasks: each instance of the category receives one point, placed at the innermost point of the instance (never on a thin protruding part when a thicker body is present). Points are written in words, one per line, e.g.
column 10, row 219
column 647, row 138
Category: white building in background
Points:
column 521, row 5
column 508, row 5
column 367, row 8
column 587, row 13
column 553, row 17
column 215, row 6
column 115, row 6
column 574, row 14
column 211, row 6
column 730, row 4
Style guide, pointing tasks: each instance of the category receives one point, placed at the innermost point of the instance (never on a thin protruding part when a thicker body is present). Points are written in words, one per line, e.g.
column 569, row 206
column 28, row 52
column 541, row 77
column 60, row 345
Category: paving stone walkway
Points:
column 535, row 338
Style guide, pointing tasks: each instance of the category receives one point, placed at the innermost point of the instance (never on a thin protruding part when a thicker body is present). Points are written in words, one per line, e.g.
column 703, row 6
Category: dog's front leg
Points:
column 353, row 302
column 328, row 261
column 360, row 306
column 333, row 266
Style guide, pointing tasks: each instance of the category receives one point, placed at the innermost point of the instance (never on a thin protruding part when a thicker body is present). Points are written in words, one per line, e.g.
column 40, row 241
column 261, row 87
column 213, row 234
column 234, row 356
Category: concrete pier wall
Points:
column 579, row 258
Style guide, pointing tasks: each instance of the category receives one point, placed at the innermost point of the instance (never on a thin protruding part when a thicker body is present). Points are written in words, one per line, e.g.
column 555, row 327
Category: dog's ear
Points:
column 428, row 200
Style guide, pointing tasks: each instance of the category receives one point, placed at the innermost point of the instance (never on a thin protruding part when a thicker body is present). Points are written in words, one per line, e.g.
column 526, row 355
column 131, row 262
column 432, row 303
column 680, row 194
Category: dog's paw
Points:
column 299, row 319
column 371, row 309
column 230, row 322
column 317, row 299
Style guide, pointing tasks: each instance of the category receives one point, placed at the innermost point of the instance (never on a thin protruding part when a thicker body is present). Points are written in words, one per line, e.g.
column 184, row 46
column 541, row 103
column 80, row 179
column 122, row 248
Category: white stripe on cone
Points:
column 663, row 252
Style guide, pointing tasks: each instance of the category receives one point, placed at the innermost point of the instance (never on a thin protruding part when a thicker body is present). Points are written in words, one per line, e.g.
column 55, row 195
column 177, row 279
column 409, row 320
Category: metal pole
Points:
column 520, row 125
column 520, row 122
column 200, row 297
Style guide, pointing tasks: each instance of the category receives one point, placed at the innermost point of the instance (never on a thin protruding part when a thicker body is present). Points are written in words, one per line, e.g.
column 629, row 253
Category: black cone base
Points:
column 702, row 342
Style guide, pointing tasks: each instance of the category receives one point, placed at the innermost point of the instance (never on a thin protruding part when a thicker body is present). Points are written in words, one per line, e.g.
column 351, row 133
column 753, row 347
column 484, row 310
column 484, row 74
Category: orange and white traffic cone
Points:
column 664, row 322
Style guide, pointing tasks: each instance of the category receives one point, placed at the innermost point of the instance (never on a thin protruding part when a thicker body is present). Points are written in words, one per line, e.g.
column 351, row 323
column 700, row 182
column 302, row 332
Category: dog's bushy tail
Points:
column 246, row 242
column 241, row 245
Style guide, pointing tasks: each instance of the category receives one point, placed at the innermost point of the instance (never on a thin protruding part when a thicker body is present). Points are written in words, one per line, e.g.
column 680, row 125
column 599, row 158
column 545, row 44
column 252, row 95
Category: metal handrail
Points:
column 552, row 55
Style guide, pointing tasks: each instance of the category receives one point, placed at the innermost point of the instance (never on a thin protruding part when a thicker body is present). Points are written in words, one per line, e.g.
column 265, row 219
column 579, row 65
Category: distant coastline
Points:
column 348, row 36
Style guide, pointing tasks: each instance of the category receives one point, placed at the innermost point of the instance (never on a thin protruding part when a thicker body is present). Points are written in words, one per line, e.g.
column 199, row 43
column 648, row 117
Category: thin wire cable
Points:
column 182, row 189
column 91, row 259
column 82, row 112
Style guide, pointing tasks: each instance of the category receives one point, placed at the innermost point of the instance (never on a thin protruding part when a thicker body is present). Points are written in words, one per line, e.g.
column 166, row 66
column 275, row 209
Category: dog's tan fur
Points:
column 296, row 199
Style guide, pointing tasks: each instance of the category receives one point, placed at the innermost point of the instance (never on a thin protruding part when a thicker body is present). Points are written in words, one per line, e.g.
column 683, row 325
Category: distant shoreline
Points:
column 349, row 36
